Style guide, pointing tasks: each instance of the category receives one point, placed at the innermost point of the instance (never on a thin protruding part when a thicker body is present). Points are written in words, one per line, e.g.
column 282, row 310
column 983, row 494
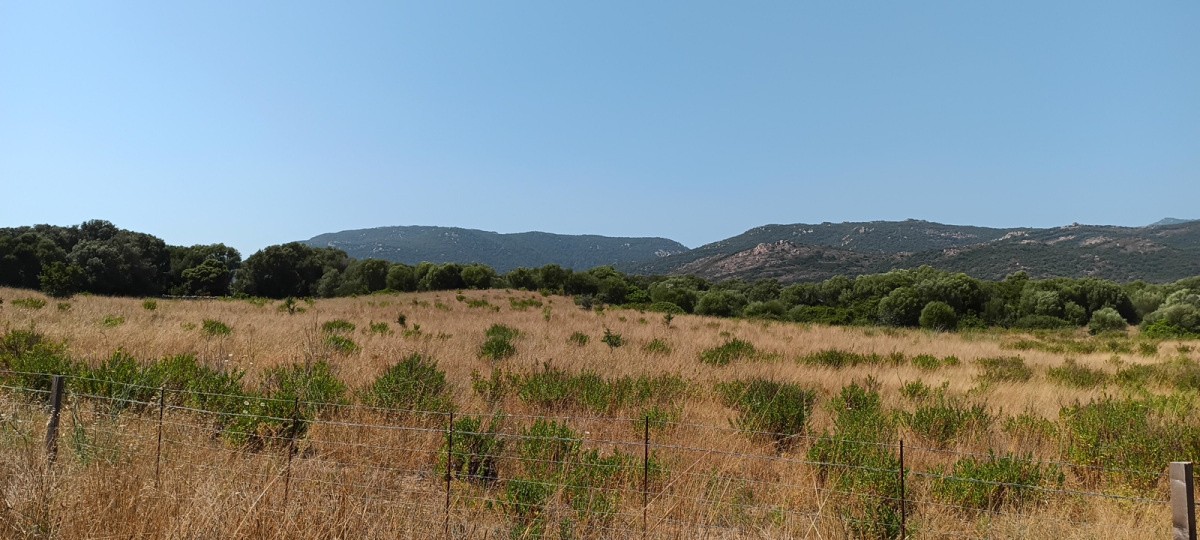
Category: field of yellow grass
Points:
column 355, row 475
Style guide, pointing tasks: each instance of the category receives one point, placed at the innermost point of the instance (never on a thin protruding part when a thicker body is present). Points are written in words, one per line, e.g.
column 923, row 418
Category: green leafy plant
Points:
column 414, row 383
column 612, row 339
column 657, row 346
column 337, row 326
column 777, row 410
column 341, row 344
column 1070, row 373
column 498, row 344
column 993, row 483
column 579, row 339
column 149, row 305
column 29, row 303
column 731, row 350
column 1003, row 369
column 112, row 321
column 380, row 328
column 214, row 328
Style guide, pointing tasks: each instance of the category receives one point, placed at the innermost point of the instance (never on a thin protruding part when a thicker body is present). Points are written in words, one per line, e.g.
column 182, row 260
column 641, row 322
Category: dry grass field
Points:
column 362, row 472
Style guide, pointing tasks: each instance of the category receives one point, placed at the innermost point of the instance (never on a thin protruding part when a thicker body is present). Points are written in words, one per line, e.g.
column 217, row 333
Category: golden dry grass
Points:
column 364, row 482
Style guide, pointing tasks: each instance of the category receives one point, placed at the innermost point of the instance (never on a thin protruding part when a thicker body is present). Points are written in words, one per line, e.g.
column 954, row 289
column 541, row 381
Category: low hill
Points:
column 414, row 244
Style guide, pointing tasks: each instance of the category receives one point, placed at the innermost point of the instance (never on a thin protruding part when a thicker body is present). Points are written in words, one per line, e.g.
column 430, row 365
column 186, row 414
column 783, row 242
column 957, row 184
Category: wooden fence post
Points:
column 291, row 450
column 56, row 395
column 1183, row 501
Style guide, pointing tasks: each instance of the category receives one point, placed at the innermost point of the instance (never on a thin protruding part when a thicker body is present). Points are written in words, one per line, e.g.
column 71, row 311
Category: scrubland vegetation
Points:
column 758, row 427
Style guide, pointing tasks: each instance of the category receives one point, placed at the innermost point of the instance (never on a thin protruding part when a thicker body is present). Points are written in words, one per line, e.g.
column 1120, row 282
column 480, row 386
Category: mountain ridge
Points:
column 1165, row 251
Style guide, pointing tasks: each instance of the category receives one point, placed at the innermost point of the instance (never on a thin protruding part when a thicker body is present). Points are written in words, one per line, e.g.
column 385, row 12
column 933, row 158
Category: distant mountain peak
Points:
column 1166, row 222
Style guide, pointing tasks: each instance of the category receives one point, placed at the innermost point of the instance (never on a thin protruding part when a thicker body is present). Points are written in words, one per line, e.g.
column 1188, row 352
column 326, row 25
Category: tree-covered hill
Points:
column 503, row 252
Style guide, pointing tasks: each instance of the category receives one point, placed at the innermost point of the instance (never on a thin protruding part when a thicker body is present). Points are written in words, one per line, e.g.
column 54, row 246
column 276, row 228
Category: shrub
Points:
column 414, row 383
column 1106, row 320
column 938, row 316
column 838, row 359
column 380, row 328
column 915, row 390
column 944, row 420
column 993, row 483
column 33, row 360
column 524, row 303
column 213, row 328
column 341, row 344
column 1073, row 374
column 29, row 303
column 122, row 379
column 476, row 451
column 579, row 338
column 1130, row 438
column 112, row 321
column 734, row 349
column 337, row 326
column 777, row 410
column 665, row 307
column 149, row 305
column 657, row 346
column 613, row 340
column 857, row 455
column 314, row 383
column 498, row 344
column 1003, row 369
column 555, row 389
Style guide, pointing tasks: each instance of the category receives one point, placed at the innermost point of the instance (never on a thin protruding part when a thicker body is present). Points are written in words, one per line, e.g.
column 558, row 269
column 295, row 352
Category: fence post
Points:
column 295, row 432
column 1183, row 501
column 56, row 395
column 449, row 470
column 162, row 400
column 645, row 475
column 903, row 507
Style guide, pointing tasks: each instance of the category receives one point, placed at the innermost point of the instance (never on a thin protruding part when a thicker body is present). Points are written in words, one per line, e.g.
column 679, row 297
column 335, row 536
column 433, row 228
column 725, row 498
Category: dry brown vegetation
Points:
column 356, row 476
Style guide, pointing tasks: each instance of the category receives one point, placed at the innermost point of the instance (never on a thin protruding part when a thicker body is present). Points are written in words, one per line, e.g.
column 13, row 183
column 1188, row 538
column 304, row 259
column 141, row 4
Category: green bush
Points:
column 579, row 338
column 112, row 321
column 149, row 305
column 558, row 390
column 938, row 316
column 33, row 360
column 994, row 483
column 944, row 420
column 1041, row 322
column 477, row 450
column 337, row 326
column 777, row 410
column 724, row 354
column 1003, row 369
column 838, row 359
column 414, row 383
column 380, row 328
column 612, row 339
column 1106, row 320
column 1132, row 439
column 212, row 328
column 122, row 379
column 665, row 307
column 1074, row 375
column 657, row 346
column 341, row 344
column 29, row 303
column 857, row 455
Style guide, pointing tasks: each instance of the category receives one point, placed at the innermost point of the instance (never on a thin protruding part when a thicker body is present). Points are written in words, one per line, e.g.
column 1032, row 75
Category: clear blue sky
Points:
column 254, row 123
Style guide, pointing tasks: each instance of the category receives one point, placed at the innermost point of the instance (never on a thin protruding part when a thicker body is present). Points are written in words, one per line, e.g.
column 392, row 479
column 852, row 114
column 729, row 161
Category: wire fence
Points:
column 456, row 475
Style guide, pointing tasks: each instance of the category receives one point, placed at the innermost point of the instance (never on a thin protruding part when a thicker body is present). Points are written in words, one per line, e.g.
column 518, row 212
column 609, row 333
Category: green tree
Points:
column 938, row 316
column 401, row 277
column 721, row 303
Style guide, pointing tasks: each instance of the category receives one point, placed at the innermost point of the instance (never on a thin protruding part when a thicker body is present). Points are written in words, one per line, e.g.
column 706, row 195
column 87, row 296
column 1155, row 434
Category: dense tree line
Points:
column 97, row 257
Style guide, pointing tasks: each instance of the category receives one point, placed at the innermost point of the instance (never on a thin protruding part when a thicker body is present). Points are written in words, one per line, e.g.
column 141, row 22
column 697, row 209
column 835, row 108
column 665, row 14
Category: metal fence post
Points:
column 903, row 507
column 56, row 395
column 1183, row 501
column 645, row 476
column 162, row 400
column 449, row 470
